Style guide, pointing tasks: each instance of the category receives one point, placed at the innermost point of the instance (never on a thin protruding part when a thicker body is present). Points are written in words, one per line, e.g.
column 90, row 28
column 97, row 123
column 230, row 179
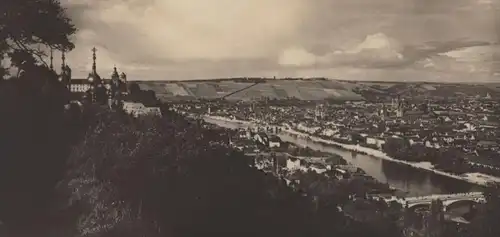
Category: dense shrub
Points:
column 155, row 170
column 121, row 176
column 34, row 142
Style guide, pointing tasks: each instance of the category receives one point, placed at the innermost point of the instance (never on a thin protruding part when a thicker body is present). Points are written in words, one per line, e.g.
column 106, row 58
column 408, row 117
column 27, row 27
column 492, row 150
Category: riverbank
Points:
column 472, row 178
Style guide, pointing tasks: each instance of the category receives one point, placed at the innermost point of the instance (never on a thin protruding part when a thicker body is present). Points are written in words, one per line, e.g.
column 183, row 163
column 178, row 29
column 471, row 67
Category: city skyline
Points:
column 445, row 41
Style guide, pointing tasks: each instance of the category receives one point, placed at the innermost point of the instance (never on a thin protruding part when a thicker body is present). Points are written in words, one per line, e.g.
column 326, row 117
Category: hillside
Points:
column 427, row 90
column 273, row 89
column 310, row 89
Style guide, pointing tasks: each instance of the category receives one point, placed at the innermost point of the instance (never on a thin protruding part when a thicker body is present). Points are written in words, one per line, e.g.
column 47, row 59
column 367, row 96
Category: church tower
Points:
column 65, row 76
column 383, row 112
column 400, row 111
column 114, row 89
column 115, row 83
column 97, row 92
column 400, row 108
column 114, row 75
column 94, row 78
column 123, row 77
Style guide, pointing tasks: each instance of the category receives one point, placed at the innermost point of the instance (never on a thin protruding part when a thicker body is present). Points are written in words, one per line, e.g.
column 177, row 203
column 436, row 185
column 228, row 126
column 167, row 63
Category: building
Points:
column 274, row 141
column 139, row 109
column 79, row 86
column 396, row 109
column 94, row 87
column 65, row 76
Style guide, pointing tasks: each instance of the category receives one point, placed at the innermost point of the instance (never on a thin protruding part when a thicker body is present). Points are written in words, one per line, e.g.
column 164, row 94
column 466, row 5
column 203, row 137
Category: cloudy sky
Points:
column 434, row 40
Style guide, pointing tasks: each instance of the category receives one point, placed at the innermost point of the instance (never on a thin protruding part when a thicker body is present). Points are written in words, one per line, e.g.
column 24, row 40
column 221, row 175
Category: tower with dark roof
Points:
column 94, row 78
column 115, row 83
column 65, row 75
column 97, row 92
column 123, row 77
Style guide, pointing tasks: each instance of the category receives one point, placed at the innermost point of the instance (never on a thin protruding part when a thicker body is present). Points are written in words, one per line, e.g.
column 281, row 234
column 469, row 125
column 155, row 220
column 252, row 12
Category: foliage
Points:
column 147, row 97
column 125, row 176
column 36, row 132
column 35, row 140
column 335, row 160
column 169, row 173
column 446, row 159
column 357, row 138
column 396, row 147
column 453, row 161
column 29, row 27
column 145, row 177
column 486, row 223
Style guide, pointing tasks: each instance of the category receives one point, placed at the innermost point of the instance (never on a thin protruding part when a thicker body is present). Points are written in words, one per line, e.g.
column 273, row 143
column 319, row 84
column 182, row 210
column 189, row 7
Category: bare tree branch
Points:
column 38, row 54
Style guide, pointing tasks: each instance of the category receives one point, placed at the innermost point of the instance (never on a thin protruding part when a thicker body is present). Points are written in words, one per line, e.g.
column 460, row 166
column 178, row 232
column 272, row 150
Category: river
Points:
column 414, row 181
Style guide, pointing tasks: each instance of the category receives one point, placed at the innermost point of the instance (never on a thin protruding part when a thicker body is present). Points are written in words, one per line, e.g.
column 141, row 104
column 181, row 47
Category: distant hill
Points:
column 313, row 89
column 431, row 90
column 308, row 89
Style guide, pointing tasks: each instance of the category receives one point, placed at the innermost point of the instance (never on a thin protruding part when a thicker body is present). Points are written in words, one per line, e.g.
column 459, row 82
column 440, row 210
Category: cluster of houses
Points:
column 274, row 156
column 469, row 125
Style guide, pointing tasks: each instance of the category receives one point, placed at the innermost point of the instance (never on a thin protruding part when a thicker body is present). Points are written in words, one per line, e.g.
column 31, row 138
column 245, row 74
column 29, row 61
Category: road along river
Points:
column 416, row 182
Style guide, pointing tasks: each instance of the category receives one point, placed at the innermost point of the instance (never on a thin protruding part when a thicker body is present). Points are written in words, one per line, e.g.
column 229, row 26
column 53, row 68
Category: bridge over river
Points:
column 447, row 199
column 414, row 182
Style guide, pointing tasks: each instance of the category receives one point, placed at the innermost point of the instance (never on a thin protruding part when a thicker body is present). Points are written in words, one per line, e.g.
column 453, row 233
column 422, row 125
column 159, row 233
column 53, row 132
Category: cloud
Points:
column 378, row 46
column 474, row 59
column 173, row 31
column 297, row 57
column 374, row 49
column 179, row 39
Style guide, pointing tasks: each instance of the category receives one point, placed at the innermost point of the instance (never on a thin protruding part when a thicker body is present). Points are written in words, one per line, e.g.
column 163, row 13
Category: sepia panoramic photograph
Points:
column 250, row 118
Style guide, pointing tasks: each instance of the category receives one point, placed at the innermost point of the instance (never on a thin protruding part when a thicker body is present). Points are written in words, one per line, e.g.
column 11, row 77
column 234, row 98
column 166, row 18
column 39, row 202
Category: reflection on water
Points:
column 414, row 181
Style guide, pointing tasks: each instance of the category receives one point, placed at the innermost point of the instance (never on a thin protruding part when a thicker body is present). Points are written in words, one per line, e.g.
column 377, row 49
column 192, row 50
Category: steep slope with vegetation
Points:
column 167, row 172
column 103, row 173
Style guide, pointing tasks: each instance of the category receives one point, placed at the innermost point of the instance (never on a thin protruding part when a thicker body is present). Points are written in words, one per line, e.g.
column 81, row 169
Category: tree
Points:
column 33, row 149
column 452, row 160
column 134, row 89
column 28, row 28
column 171, row 173
column 486, row 222
column 396, row 147
column 35, row 136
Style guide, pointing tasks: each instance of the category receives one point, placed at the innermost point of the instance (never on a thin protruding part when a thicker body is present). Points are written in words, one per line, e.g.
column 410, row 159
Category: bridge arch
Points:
column 456, row 203
column 447, row 199
column 422, row 205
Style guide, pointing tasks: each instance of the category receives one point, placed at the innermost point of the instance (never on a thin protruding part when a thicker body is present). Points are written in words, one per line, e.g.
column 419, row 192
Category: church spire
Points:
column 94, row 67
column 93, row 77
